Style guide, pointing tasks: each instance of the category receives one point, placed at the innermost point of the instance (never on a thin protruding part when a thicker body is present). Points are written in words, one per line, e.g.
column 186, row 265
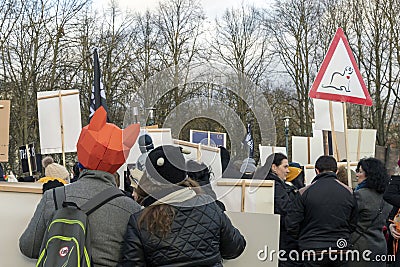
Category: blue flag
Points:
column 98, row 97
column 248, row 140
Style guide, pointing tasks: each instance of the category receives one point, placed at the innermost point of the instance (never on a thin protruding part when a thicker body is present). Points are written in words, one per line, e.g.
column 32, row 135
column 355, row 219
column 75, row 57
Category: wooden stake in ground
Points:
column 334, row 141
column 62, row 127
column 243, row 195
column 346, row 143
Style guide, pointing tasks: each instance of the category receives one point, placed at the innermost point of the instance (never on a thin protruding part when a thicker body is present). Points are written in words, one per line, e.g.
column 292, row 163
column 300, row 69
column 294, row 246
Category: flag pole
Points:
column 98, row 92
column 346, row 142
column 335, row 145
column 96, row 80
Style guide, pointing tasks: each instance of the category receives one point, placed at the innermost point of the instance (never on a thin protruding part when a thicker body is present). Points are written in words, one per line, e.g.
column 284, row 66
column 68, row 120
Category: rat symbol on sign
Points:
column 340, row 81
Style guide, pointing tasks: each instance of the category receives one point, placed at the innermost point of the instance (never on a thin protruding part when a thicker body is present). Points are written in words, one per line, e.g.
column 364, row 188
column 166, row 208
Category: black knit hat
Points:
column 145, row 143
column 166, row 163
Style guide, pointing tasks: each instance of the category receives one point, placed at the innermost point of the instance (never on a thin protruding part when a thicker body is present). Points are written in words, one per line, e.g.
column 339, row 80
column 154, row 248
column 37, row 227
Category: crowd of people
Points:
column 173, row 217
column 170, row 220
column 334, row 220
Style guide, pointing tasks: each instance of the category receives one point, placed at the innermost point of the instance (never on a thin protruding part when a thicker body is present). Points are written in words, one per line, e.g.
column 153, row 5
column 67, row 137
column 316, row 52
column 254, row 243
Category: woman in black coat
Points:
column 283, row 196
column 372, row 212
column 179, row 225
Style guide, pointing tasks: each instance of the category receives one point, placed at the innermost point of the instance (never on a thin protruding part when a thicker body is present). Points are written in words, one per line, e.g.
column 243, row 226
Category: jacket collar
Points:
column 100, row 175
column 361, row 185
column 273, row 176
column 325, row 175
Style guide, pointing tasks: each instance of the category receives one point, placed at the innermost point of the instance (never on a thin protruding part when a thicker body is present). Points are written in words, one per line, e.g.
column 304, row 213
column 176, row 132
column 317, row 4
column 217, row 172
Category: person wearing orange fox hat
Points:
column 102, row 148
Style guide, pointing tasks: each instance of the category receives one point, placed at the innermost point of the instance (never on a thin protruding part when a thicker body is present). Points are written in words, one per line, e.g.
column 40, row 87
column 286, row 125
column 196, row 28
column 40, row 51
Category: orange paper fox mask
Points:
column 103, row 146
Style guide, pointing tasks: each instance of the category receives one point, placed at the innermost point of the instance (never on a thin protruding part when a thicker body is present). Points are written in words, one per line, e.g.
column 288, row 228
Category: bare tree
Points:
column 115, row 34
column 242, row 43
column 30, row 61
column 294, row 26
column 179, row 25
column 377, row 55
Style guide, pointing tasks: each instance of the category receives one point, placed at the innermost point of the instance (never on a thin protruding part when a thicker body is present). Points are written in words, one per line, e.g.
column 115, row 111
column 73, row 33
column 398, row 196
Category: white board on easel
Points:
column 245, row 195
column 306, row 150
column 265, row 151
column 361, row 143
column 266, row 240
column 322, row 116
column 50, row 123
column 209, row 155
column 160, row 136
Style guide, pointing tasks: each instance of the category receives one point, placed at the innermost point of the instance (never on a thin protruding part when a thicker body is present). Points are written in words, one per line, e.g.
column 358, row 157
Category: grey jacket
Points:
column 108, row 223
column 369, row 234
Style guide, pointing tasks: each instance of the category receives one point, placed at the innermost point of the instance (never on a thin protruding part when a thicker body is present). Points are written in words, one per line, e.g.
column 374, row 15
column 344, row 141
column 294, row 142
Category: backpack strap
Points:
column 59, row 196
column 100, row 199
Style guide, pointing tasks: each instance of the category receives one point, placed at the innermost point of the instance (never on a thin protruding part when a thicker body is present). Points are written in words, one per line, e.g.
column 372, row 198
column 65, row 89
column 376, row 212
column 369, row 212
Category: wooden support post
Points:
column 359, row 145
column 243, row 195
column 198, row 156
column 61, row 126
column 308, row 150
column 346, row 142
column 334, row 145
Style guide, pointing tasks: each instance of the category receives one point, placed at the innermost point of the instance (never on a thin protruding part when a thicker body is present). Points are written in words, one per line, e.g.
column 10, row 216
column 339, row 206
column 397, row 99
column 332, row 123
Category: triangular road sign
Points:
column 339, row 78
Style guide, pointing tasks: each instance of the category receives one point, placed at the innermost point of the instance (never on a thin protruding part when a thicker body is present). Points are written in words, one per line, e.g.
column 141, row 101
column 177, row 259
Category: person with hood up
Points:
column 296, row 175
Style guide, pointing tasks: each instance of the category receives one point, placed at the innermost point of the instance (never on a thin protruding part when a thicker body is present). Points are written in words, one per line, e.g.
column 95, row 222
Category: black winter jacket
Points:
column 392, row 193
column 201, row 235
column 284, row 195
column 323, row 213
column 392, row 196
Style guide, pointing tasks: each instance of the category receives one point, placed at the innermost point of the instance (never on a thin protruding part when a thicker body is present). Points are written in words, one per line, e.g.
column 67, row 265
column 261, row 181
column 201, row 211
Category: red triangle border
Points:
column 336, row 97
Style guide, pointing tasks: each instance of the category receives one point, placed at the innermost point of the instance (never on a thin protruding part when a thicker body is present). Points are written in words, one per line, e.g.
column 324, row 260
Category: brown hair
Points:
column 158, row 219
column 342, row 174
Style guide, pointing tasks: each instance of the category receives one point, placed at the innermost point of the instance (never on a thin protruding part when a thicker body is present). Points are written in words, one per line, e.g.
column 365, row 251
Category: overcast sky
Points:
column 212, row 8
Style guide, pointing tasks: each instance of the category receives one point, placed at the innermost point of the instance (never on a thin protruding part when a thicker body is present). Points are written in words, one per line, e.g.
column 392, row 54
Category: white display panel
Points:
column 50, row 122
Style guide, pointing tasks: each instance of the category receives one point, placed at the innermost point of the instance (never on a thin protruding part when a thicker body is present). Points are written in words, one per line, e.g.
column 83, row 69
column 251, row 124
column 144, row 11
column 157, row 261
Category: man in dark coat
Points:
column 322, row 216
